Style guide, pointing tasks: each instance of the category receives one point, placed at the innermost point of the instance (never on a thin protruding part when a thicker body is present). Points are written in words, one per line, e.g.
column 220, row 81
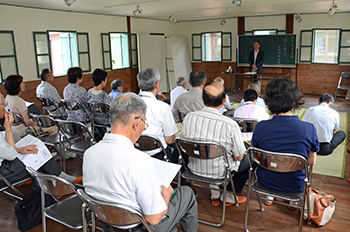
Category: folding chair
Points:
column 112, row 213
column 207, row 150
column 19, row 120
column 150, row 142
column 57, row 140
column 5, row 184
column 71, row 128
column 283, row 163
column 246, row 124
column 67, row 211
column 51, row 107
column 341, row 86
column 72, row 105
column 98, row 108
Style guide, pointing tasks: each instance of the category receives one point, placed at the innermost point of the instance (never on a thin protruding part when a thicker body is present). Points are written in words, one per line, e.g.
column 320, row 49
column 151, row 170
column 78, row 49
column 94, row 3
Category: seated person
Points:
column 285, row 133
column 326, row 121
column 180, row 88
column 117, row 88
column 46, row 90
column 96, row 94
column 14, row 86
column 159, row 118
column 11, row 167
column 227, row 102
column 73, row 91
column 259, row 100
column 209, row 125
column 192, row 100
column 115, row 171
column 249, row 109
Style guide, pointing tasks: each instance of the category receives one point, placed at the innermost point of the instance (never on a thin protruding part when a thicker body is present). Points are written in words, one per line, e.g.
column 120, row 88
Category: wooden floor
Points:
column 274, row 218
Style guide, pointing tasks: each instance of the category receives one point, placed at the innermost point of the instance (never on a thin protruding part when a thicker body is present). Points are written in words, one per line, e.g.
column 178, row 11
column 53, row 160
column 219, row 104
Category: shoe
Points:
column 78, row 179
column 348, row 149
column 241, row 200
column 215, row 202
column 292, row 204
column 270, row 200
column 349, row 180
column 28, row 182
column 291, row 208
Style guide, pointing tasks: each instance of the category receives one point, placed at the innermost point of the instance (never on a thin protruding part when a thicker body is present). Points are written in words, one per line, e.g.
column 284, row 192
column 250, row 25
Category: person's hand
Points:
column 8, row 120
column 254, row 67
column 167, row 193
column 30, row 149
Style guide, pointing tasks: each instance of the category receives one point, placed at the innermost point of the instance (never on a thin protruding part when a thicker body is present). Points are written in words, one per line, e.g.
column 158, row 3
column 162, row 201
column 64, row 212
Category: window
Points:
column 116, row 52
column 211, row 46
column 8, row 59
column 60, row 50
column 325, row 46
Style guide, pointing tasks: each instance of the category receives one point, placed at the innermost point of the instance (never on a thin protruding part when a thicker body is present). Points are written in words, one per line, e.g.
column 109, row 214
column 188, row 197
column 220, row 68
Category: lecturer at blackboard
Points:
column 256, row 58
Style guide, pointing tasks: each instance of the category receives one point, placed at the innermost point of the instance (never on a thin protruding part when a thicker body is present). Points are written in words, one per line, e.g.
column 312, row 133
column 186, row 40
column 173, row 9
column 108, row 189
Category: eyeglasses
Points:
column 146, row 124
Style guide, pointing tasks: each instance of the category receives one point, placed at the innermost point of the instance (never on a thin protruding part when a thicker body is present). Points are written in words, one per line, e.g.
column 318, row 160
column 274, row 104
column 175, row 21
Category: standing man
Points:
column 256, row 59
column 326, row 121
column 180, row 88
column 115, row 171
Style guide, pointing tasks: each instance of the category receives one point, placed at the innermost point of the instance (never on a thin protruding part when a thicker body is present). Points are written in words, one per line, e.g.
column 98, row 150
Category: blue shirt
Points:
column 114, row 93
column 285, row 134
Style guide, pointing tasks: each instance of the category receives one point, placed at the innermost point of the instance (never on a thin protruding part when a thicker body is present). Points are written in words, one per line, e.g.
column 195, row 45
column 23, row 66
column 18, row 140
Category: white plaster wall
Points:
column 189, row 28
column 265, row 22
column 147, row 26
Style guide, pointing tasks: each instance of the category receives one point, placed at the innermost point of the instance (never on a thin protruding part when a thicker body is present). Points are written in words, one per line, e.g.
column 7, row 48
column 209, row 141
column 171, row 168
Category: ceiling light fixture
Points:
column 223, row 21
column 138, row 11
column 333, row 8
column 237, row 2
column 69, row 2
column 298, row 18
column 172, row 19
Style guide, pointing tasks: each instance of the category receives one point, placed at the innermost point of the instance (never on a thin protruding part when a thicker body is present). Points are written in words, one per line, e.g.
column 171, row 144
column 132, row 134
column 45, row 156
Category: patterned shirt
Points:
column 210, row 126
column 188, row 102
column 76, row 93
column 99, row 96
column 46, row 90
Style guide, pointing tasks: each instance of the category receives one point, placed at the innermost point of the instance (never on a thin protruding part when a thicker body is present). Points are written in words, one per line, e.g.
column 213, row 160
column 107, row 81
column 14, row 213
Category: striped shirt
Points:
column 210, row 126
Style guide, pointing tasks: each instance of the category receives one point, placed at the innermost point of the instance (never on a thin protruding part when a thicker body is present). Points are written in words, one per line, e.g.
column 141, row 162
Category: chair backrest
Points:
column 50, row 106
column 113, row 213
column 18, row 119
column 99, row 107
column 148, row 143
column 43, row 121
column 73, row 128
column 345, row 75
column 52, row 185
column 199, row 149
column 246, row 124
column 72, row 105
column 277, row 162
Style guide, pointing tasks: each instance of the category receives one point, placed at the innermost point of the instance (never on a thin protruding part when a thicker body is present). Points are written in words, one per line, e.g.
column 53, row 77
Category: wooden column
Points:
column 240, row 26
column 290, row 23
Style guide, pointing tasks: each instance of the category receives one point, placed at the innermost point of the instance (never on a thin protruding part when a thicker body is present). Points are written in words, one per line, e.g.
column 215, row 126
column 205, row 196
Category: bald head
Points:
column 213, row 94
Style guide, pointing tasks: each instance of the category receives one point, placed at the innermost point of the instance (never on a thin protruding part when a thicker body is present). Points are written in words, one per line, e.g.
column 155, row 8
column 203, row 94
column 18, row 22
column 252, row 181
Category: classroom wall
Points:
column 265, row 22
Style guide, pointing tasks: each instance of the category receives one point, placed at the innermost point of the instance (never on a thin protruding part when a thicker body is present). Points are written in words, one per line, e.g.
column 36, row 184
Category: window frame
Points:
column 305, row 46
column 47, row 33
column 340, row 46
column 9, row 56
column 197, row 47
column 211, row 32
column 133, row 51
column 313, row 46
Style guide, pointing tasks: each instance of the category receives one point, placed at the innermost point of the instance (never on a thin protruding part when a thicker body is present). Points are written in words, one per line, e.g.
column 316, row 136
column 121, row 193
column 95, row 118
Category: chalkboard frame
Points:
column 246, row 64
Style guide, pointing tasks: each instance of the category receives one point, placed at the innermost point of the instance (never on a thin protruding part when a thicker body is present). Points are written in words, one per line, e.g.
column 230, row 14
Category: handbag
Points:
column 28, row 210
column 322, row 207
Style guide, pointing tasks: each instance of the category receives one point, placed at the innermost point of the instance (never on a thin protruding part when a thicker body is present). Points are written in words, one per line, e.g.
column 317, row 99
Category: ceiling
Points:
column 187, row 10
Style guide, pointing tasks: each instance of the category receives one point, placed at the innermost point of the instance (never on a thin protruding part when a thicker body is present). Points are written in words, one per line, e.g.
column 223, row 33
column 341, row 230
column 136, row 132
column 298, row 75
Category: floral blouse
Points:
column 99, row 96
column 76, row 93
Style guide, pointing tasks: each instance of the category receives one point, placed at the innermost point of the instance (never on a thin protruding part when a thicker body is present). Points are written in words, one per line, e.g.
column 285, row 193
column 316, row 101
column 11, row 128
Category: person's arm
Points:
column 259, row 62
column 169, row 139
column 312, row 158
column 238, row 158
column 25, row 117
column 166, row 194
column 7, row 124
column 162, row 96
column 175, row 113
column 251, row 58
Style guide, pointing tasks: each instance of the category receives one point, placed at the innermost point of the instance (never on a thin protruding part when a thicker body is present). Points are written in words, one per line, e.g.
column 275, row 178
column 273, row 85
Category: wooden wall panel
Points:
column 312, row 78
column 128, row 76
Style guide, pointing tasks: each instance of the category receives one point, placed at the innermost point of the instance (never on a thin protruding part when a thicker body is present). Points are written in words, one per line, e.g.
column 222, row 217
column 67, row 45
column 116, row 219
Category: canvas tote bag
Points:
column 322, row 207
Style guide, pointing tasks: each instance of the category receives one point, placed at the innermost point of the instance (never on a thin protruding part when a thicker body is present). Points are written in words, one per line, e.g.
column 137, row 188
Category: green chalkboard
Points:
column 279, row 49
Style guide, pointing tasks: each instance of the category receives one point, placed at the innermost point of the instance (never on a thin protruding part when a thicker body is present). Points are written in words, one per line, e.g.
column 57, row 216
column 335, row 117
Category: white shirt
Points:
column 259, row 102
column 115, row 171
column 251, row 110
column 255, row 55
column 7, row 152
column 325, row 121
column 226, row 104
column 175, row 93
column 159, row 118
